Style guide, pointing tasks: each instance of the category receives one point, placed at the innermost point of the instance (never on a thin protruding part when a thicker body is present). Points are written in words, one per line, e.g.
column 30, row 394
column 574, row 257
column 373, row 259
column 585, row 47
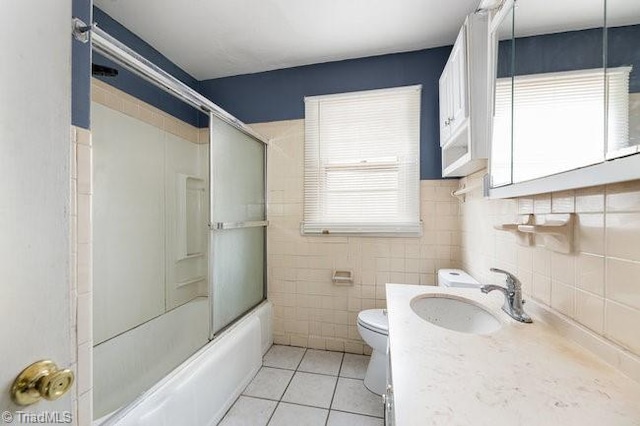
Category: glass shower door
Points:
column 238, row 223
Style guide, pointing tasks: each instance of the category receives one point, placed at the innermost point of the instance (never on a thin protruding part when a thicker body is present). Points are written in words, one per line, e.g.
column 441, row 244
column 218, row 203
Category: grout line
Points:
column 288, row 384
column 335, row 388
column 280, row 401
column 359, row 414
column 273, row 412
column 303, row 355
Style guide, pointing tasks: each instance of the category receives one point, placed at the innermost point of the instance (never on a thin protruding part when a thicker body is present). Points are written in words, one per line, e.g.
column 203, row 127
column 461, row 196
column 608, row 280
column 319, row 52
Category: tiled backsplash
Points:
column 598, row 285
column 309, row 309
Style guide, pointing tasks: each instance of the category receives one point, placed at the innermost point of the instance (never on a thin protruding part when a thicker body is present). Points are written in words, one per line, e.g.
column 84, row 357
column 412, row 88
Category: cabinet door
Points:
column 445, row 104
column 458, row 78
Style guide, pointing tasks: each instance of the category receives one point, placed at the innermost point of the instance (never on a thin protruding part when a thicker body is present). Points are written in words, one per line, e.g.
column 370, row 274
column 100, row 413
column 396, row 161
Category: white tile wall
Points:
column 598, row 285
column 81, row 279
column 309, row 310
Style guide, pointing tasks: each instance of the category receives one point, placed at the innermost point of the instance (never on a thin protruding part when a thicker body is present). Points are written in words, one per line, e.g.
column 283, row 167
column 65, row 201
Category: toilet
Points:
column 373, row 326
column 456, row 278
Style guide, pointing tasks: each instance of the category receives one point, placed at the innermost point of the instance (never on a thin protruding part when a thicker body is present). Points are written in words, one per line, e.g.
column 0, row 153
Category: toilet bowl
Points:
column 373, row 327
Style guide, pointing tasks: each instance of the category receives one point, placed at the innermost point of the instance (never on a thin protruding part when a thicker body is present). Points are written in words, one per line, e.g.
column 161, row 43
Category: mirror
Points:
column 558, row 105
column 500, row 164
column 623, row 75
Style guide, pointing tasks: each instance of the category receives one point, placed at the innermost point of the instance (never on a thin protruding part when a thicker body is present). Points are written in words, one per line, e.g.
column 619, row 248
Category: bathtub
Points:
column 203, row 388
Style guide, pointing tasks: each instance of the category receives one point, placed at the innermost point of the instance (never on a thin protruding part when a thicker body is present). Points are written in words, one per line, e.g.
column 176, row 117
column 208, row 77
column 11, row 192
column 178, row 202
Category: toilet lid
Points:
column 375, row 320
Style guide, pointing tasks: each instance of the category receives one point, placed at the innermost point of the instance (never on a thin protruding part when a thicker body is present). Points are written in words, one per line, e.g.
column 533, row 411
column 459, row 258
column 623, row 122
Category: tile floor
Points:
column 307, row 387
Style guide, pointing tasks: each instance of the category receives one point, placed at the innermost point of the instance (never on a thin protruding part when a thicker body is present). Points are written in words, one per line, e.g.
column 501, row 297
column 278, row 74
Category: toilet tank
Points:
column 456, row 278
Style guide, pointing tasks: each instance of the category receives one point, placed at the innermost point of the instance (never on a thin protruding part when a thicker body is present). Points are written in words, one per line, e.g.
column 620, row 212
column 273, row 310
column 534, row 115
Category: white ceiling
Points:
column 534, row 17
column 218, row 38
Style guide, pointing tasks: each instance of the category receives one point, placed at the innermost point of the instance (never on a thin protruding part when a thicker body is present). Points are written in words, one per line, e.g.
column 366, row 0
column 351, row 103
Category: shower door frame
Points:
column 120, row 53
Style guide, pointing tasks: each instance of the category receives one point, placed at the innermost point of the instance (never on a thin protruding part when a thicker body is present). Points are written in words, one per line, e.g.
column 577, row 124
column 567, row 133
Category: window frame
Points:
column 316, row 173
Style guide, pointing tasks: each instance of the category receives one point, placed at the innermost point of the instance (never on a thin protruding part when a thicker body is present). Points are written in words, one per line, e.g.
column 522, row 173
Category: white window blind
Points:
column 559, row 120
column 362, row 162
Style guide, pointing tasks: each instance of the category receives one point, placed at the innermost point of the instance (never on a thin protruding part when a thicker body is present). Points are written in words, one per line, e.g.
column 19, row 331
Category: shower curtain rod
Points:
column 113, row 49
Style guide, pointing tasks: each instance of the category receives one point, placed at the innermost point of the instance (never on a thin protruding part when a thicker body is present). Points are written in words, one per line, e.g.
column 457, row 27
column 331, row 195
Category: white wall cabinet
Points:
column 464, row 118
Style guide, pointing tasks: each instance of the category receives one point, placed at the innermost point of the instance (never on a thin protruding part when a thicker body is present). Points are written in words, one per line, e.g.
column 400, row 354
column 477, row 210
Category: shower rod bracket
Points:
column 81, row 30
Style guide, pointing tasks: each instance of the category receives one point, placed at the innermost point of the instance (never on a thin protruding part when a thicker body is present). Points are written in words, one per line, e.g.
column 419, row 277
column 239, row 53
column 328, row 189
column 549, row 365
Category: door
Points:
column 238, row 223
column 458, row 65
column 35, row 220
column 445, row 104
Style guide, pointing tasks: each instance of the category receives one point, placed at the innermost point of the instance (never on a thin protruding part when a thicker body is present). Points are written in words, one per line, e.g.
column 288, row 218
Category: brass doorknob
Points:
column 42, row 379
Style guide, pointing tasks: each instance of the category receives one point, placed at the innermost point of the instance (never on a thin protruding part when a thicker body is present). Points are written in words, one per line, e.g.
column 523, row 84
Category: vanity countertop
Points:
column 522, row 374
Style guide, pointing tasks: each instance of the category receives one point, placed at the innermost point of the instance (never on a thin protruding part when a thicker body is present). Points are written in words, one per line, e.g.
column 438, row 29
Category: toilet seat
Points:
column 375, row 320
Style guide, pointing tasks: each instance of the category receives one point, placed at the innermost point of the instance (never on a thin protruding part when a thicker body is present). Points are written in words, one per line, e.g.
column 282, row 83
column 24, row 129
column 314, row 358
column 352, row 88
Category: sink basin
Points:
column 455, row 314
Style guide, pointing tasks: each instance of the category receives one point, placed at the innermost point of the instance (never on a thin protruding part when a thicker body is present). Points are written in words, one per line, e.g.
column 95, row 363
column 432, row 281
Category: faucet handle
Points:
column 512, row 280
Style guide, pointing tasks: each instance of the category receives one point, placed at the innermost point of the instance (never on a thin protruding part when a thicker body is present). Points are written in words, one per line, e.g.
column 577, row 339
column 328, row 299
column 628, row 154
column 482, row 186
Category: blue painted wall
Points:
column 136, row 86
column 574, row 50
column 279, row 95
column 81, row 69
column 624, row 49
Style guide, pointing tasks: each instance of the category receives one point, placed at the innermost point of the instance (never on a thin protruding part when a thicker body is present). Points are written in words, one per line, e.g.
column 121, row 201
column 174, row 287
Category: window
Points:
column 362, row 162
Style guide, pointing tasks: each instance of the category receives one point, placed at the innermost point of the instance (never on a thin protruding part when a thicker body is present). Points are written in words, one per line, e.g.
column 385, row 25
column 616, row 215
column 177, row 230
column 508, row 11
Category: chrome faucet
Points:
column 512, row 296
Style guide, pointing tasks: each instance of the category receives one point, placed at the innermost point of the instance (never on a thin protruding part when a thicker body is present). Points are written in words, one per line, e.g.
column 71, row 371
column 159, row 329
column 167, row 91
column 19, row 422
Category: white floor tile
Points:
column 338, row 418
column 269, row 383
column 297, row 415
column 283, row 357
column 352, row 396
column 322, row 362
column 310, row 389
column 249, row 412
column 354, row 366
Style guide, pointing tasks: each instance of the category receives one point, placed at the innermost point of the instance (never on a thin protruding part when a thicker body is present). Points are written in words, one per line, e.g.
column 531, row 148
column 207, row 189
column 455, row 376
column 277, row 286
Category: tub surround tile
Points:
column 352, row 396
column 321, row 362
column 339, row 418
column 354, row 366
column 269, row 383
column 286, row 357
column 311, row 389
column 81, row 175
column 291, row 414
column 249, row 411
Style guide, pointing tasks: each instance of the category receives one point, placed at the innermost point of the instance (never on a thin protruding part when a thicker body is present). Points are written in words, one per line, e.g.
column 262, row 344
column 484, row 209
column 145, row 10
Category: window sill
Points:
column 408, row 230
column 612, row 171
